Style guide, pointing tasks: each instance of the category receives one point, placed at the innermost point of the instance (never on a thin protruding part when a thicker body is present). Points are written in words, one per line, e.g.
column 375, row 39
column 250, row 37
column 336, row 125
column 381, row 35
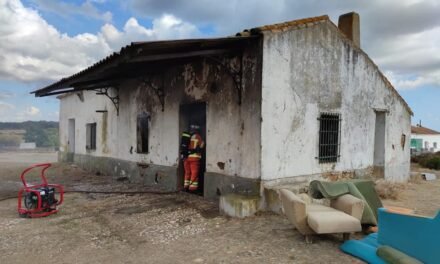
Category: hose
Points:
column 106, row 192
column 7, row 198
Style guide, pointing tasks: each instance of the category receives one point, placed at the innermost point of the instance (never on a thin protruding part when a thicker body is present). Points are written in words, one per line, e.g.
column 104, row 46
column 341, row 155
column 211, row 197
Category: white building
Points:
column 278, row 104
column 424, row 139
column 28, row 145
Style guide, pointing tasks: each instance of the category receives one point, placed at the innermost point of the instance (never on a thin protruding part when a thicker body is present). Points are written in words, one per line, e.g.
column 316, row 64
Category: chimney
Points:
column 349, row 25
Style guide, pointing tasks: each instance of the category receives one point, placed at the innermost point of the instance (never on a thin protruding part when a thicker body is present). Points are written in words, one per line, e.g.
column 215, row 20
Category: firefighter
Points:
column 192, row 162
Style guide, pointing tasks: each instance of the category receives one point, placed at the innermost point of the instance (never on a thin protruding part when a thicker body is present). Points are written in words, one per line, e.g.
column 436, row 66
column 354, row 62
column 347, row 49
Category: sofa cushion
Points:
column 319, row 208
column 332, row 221
column 349, row 204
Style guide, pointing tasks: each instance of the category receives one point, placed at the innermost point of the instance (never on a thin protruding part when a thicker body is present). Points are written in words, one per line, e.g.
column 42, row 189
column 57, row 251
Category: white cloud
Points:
column 33, row 50
column 402, row 36
column 5, row 95
column 165, row 27
column 5, row 107
column 86, row 9
column 403, row 82
column 32, row 111
column 411, row 60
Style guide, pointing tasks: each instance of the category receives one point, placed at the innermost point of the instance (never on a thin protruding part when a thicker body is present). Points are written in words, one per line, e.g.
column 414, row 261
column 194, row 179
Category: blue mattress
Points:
column 364, row 249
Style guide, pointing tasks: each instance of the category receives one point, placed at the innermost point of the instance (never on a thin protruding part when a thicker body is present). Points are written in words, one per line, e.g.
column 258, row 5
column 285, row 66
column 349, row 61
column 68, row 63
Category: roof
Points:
column 193, row 47
column 423, row 130
column 128, row 59
column 153, row 48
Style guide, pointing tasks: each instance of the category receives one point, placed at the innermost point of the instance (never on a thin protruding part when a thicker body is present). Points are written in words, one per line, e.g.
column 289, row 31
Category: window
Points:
column 329, row 137
column 91, row 136
column 142, row 132
column 435, row 145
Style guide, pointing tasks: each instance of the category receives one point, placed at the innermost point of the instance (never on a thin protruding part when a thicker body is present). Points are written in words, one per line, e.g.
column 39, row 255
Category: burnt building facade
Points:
column 277, row 104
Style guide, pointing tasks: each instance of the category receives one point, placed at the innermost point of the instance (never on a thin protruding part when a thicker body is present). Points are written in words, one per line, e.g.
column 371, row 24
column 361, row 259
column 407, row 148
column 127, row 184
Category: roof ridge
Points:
column 423, row 130
column 290, row 24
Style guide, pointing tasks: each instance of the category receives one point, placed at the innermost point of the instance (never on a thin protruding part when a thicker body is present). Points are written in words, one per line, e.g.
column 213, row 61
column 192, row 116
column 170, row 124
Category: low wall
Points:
column 164, row 177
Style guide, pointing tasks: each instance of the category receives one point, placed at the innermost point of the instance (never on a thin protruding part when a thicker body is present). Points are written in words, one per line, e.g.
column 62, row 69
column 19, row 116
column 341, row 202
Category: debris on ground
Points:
column 165, row 228
column 429, row 176
column 388, row 189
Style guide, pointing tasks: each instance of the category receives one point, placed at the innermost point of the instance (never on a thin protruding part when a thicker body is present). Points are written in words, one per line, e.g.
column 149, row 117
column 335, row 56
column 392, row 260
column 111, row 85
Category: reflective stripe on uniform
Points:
column 194, row 184
column 195, row 155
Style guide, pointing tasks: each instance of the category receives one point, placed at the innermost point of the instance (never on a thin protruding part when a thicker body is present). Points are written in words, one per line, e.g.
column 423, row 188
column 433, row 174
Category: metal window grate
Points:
column 329, row 137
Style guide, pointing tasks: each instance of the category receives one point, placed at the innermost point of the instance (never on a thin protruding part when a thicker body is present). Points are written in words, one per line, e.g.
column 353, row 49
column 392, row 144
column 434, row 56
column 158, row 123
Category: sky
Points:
column 42, row 41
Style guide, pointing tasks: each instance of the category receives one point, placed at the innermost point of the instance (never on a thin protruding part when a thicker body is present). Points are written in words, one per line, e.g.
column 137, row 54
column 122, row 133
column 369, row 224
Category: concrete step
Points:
column 237, row 205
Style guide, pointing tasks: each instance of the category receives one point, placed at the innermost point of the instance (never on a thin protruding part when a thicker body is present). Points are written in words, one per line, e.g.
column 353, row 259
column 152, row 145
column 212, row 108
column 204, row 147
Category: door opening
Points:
column 379, row 145
column 194, row 113
column 71, row 139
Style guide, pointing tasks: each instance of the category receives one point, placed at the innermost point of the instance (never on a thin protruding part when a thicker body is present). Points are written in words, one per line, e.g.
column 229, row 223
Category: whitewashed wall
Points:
column 233, row 130
column 310, row 70
column 430, row 139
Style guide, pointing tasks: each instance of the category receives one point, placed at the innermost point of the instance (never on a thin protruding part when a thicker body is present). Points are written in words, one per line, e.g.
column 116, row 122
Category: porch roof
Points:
column 128, row 61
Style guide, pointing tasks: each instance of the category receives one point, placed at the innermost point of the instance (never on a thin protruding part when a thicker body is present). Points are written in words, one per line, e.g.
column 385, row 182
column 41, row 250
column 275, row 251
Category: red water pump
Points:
column 40, row 199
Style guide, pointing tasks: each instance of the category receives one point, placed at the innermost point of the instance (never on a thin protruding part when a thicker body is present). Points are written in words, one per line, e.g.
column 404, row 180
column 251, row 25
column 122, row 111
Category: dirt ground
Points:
column 153, row 228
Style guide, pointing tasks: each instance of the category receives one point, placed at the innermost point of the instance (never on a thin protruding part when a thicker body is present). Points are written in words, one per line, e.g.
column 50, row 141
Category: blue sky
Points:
column 42, row 41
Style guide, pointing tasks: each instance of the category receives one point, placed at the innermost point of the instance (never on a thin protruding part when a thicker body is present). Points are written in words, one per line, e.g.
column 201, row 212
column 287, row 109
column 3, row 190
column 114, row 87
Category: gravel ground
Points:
column 166, row 228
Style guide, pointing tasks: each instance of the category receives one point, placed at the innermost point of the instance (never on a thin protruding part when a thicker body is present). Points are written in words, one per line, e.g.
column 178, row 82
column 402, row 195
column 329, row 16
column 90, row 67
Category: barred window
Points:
column 91, row 136
column 329, row 137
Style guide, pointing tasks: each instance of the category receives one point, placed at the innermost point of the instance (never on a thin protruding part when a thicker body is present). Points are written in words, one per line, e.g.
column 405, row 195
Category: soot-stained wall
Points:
column 233, row 129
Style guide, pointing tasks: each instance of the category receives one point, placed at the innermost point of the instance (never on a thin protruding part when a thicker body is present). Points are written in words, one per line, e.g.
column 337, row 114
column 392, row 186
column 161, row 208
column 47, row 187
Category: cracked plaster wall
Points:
column 311, row 70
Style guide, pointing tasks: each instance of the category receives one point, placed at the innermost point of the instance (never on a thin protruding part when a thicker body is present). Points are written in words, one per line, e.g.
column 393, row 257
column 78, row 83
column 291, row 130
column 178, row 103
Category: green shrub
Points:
column 433, row 163
column 7, row 140
column 430, row 161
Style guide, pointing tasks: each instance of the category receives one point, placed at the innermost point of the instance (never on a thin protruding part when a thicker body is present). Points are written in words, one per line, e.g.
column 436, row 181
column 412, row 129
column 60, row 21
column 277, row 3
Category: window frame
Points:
column 329, row 147
column 143, row 136
column 91, row 136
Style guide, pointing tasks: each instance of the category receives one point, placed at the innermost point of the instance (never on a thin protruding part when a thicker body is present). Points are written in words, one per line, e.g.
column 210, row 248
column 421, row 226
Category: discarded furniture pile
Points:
column 402, row 236
column 342, row 216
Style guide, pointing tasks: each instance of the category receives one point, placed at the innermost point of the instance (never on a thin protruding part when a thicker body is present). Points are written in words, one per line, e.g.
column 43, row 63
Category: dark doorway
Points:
column 70, row 140
column 379, row 144
column 194, row 113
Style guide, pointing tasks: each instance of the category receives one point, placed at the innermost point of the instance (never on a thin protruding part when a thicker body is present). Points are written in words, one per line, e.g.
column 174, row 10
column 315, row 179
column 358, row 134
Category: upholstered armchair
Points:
column 342, row 216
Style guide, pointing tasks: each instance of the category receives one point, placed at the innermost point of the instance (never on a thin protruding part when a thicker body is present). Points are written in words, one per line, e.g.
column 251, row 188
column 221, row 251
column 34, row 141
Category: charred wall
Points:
column 232, row 127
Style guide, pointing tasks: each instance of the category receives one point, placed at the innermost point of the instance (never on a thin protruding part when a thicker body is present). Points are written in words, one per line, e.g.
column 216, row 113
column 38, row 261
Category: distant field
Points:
column 27, row 157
